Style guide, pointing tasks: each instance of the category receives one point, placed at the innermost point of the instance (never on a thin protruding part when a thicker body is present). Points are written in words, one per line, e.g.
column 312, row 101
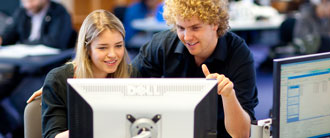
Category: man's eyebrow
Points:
column 194, row 25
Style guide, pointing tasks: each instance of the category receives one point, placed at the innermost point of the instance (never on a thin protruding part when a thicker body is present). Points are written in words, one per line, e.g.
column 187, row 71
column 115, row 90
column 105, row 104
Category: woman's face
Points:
column 107, row 51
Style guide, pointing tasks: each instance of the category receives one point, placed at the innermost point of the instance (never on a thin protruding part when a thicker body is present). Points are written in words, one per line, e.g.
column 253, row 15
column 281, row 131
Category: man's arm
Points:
column 237, row 120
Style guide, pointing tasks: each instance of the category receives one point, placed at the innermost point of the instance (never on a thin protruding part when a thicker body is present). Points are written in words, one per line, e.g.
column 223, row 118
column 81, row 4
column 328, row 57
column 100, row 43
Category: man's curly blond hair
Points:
column 208, row 11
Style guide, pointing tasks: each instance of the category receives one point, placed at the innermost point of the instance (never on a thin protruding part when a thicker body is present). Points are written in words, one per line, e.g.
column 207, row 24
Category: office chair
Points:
column 32, row 119
column 286, row 47
column 287, row 29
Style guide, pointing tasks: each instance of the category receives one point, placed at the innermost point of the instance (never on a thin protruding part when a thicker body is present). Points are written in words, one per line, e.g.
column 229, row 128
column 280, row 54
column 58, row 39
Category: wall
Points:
column 79, row 9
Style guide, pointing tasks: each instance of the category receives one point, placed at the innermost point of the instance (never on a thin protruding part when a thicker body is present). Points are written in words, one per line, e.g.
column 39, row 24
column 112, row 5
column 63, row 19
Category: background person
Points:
column 39, row 22
column 312, row 27
column 139, row 10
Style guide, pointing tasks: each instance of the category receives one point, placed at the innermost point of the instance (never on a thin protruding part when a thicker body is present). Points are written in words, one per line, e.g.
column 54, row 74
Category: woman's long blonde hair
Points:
column 93, row 25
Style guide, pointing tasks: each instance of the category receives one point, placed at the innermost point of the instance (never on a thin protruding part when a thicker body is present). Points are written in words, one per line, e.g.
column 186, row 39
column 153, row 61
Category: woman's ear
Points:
column 88, row 51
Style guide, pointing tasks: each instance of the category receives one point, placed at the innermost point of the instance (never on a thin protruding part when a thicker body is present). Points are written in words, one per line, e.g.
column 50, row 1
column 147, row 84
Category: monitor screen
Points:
column 154, row 108
column 301, row 102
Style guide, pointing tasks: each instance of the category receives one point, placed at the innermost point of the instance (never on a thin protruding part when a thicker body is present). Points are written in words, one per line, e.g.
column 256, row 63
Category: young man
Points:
column 39, row 22
column 199, row 37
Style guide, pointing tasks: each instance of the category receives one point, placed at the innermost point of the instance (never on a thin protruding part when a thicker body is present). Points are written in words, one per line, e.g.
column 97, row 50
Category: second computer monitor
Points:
column 302, row 96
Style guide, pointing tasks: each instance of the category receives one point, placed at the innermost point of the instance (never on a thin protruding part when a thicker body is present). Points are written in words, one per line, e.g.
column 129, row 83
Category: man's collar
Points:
column 179, row 48
column 220, row 51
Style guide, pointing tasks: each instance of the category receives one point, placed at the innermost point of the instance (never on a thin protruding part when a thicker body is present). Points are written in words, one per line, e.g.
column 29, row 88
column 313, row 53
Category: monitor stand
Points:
column 261, row 129
column 143, row 127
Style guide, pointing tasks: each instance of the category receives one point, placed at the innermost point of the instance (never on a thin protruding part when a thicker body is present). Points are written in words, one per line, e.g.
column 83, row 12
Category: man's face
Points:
column 199, row 38
column 327, row 7
column 323, row 9
column 34, row 6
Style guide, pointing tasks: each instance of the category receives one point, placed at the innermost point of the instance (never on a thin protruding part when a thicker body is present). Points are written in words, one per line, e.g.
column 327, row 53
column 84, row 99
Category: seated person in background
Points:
column 201, row 37
column 100, row 54
column 39, row 22
column 312, row 28
column 138, row 10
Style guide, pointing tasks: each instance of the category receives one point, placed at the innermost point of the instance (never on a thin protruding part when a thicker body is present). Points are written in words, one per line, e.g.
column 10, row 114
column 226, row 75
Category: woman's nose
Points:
column 111, row 53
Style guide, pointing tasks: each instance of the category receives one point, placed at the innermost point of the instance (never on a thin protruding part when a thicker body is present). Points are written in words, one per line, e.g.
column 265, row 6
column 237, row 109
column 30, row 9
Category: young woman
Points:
column 100, row 53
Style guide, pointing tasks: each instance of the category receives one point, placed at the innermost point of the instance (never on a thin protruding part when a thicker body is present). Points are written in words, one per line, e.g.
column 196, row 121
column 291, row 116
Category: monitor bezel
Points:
column 277, row 63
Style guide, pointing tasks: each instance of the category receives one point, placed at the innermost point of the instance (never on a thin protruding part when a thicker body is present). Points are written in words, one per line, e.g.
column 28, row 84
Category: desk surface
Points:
column 33, row 64
column 152, row 25
column 268, row 24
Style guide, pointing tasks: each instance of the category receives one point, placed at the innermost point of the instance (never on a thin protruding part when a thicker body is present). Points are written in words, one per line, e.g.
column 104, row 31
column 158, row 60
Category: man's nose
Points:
column 187, row 35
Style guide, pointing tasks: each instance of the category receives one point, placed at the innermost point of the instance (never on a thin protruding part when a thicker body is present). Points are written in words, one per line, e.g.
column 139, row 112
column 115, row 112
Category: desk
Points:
column 148, row 25
column 268, row 24
column 29, row 77
column 151, row 25
column 35, row 64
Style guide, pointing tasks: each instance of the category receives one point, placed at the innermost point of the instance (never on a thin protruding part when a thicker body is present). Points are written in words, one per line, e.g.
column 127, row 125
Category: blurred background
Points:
column 269, row 27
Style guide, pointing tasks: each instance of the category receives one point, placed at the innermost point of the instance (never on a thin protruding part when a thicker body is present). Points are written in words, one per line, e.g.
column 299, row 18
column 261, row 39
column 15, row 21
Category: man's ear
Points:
column 215, row 27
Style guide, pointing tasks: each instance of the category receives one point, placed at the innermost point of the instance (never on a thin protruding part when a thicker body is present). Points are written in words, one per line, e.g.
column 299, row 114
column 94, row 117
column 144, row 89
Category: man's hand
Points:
column 34, row 95
column 237, row 121
column 225, row 86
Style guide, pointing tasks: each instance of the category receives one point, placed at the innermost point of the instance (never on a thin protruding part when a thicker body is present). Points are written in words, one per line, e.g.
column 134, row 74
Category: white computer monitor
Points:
column 302, row 96
column 160, row 108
